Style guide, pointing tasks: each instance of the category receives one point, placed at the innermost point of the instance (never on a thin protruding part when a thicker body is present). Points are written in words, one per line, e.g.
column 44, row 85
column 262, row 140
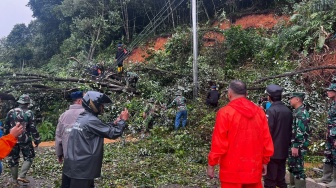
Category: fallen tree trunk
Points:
column 294, row 73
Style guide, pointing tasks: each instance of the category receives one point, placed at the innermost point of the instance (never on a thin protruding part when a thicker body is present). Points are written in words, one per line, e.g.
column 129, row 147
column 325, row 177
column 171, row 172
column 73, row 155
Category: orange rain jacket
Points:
column 6, row 144
column 241, row 142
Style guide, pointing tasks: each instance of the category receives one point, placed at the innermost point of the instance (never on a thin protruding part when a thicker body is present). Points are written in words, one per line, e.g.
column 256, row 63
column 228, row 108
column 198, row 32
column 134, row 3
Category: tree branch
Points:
column 294, row 73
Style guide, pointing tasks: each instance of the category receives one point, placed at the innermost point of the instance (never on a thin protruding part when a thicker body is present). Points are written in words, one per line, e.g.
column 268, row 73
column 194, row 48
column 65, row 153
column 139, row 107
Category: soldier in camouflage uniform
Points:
column 150, row 113
column 181, row 113
column 299, row 141
column 329, row 167
column 131, row 79
column 26, row 117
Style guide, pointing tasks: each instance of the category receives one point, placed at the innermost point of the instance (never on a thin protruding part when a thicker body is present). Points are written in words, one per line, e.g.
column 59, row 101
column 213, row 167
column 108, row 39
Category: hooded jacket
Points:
column 85, row 146
column 64, row 126
column 6, row 144
column 241, row 142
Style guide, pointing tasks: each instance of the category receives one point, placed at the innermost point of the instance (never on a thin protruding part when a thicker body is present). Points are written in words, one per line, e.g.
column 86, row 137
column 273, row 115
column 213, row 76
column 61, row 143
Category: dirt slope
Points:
column 267, row 21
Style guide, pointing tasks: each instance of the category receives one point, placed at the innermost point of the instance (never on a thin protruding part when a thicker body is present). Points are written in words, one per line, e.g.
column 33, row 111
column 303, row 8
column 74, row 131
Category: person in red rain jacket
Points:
column 241, row 141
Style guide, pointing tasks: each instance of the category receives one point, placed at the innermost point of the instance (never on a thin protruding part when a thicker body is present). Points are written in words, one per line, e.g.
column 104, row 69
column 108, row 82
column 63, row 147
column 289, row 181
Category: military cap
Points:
column 332, row 87
column 296, row 94
column 151, row 100
column 273, row 90
column 76, row 95
column 178, row 93
column 213, row 87
column 24, row 99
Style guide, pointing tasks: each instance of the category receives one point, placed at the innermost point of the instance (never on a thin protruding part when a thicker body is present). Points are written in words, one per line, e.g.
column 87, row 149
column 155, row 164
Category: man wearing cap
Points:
column 212, row 98
column 64, row 126
column 280, row 125
column 120, row 56
column 299, row 141
column 329, row 168
column 181, row 113
column 24, row 144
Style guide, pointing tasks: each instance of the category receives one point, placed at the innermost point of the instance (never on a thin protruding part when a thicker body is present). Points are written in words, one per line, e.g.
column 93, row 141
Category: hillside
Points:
column 265, row 21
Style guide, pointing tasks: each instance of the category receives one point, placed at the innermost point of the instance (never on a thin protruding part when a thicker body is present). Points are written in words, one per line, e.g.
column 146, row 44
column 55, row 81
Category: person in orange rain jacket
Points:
column 8, row 142
column 241, row 141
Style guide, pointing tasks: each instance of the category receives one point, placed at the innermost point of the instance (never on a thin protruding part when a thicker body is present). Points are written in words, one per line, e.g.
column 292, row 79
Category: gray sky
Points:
column 13, row 12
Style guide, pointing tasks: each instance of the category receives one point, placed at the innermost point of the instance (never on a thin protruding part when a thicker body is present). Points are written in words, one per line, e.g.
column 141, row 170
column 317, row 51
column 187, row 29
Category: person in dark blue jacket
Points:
column 212, row 97
column 280, row 121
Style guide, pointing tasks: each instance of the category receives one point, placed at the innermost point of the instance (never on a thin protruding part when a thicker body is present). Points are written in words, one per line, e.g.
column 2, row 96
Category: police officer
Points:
column 299, row 141
column 329, row 167
column 280, row 125
column 24, row 144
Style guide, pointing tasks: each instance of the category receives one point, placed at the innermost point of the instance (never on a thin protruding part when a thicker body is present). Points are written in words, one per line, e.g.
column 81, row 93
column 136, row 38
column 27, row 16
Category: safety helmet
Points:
column 24, row 99
column 93, row 102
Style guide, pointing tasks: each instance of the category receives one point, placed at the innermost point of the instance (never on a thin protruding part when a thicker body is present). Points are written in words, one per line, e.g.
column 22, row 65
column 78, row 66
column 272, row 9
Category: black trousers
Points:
column 65, row 181
column 276, row 171
column 82, row 183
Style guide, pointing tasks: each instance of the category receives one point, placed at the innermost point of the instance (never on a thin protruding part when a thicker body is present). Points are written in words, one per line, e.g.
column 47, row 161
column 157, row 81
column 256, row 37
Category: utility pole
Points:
column 195, row 47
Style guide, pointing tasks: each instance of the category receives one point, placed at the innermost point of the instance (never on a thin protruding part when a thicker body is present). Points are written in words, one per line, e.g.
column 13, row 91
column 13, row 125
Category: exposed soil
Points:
column 52, row 143
column 210, row 38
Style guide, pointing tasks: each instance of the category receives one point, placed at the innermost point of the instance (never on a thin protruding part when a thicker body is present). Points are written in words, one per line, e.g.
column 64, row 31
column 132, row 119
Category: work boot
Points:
column 25, row 167
column 14, row 172
column 291, row 181
column 300, row 183
column 332, row 184
column 327, row 172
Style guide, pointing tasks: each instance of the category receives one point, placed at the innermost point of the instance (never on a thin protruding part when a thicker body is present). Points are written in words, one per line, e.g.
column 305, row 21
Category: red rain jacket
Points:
column 241, row 142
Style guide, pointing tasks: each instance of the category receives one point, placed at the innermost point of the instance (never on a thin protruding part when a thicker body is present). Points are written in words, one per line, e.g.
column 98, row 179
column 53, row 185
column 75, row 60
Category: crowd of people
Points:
column 249, row 143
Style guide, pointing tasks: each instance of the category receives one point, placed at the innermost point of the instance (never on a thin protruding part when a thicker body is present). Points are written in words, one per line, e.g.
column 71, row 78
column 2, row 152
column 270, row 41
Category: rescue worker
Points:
column 120, row 56
column 299, row 141
column 280, row 121
column 9, row 141
column 212, row 97
column 241, row 142
column 64, row 126
column 181, row 113
column 24, row 144
column 131, row 79
column 85, row 150
column 150, row 113
column 329, row 168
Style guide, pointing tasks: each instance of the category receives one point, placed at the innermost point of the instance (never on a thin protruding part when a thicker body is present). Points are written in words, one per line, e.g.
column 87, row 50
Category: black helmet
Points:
column 93, row 101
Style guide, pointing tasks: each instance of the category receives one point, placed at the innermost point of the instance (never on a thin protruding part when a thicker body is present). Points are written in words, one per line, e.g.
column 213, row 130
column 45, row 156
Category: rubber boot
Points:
column 327, row 172
column 332, row 184
column 14, row 172
column 25, row 167
column 291, row 181
column 300, row 183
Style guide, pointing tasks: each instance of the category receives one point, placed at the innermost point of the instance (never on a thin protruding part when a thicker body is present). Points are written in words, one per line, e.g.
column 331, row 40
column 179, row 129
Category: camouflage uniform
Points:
column 300, row 140
column 330, row 151
column 24, row 144
column 131, row 79
column 151, row 112
column 180, row 102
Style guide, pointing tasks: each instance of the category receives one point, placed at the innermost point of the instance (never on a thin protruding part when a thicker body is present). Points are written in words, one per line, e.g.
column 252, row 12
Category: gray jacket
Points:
column 85, row 146
column 64, row 126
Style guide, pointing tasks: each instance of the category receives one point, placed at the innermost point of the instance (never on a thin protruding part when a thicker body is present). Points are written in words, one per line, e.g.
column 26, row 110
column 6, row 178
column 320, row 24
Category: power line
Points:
column 150, row 25
column 154, row 24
